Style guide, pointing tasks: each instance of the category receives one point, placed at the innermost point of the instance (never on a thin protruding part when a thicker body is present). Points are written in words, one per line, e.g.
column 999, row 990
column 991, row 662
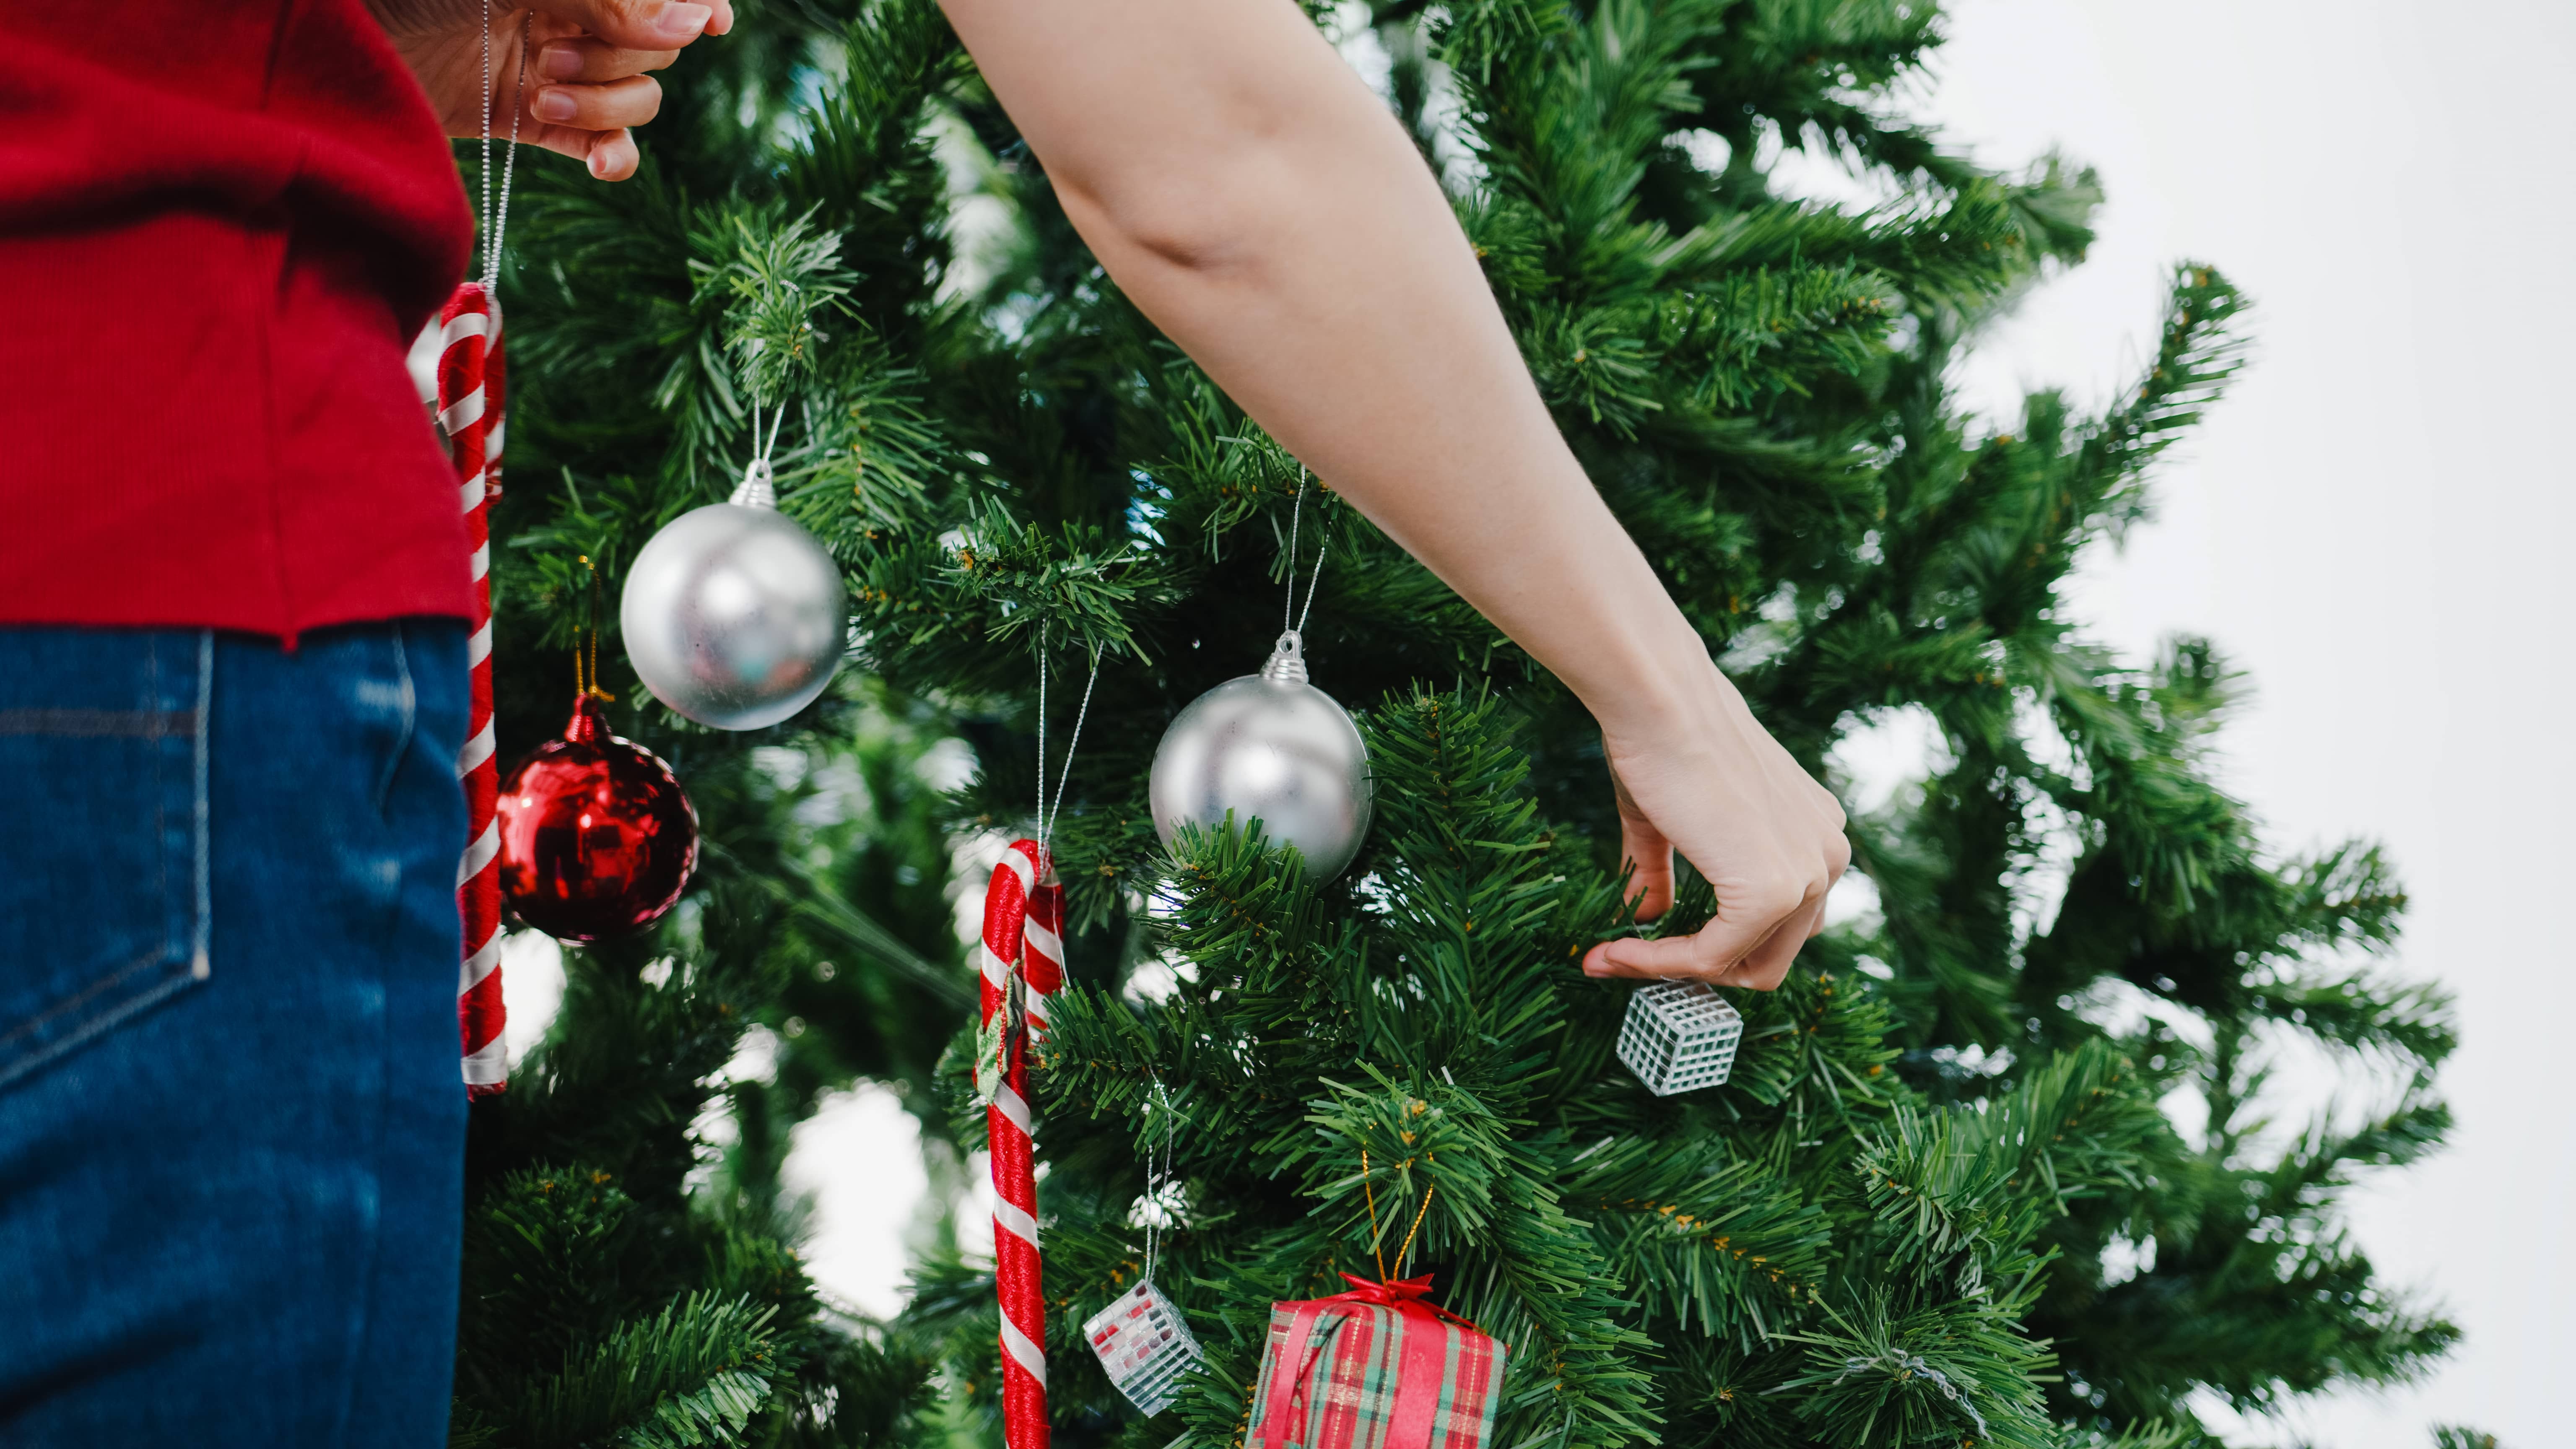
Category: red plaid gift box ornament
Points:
column 1375, row 1368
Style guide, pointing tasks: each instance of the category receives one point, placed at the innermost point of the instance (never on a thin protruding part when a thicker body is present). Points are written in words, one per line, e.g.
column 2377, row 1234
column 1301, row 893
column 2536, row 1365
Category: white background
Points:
column 2374, row 525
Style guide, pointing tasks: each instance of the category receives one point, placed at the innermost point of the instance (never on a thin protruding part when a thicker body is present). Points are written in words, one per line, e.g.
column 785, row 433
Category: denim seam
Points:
column 197, row 963
column 16, row 1069
column 96, row 724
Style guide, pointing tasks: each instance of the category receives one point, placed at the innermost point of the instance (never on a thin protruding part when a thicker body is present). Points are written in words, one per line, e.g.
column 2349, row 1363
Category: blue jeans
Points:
column 231, row 1126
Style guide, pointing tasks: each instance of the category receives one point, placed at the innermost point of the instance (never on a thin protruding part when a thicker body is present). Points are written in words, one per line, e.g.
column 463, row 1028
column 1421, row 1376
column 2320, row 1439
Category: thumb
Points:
column 642, row 24
column 1704, row 957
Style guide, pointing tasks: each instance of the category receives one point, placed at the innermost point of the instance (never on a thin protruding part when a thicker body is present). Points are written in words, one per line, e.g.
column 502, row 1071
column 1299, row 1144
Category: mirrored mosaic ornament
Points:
column 1144, row 1345
column 1679, row 1036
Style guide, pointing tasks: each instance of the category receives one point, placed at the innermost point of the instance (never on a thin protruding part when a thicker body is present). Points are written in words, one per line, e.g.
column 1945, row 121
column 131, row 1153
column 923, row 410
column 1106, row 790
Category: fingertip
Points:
column 680, row 21
column 1758, row 979
column 613, row 157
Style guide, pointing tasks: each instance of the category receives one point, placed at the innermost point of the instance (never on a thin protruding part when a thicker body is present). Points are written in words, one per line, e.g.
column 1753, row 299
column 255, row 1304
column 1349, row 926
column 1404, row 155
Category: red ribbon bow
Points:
column 1404, row 1295
column 1418, row 1376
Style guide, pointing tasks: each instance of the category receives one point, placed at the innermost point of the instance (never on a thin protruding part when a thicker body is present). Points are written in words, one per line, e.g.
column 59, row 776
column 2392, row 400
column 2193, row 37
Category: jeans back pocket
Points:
column 104, row 866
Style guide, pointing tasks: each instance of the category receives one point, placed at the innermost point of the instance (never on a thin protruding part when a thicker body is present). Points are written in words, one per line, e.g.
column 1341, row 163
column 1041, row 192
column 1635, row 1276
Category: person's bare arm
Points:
column 1267, row 212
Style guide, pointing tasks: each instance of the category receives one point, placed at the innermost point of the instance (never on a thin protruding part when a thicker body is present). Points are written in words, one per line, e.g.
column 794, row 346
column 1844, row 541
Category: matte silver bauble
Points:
column 733, row 614
column 1273, row 748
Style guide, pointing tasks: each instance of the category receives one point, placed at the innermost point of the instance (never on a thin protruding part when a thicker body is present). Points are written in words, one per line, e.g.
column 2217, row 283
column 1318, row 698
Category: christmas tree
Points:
column 1944, row 1197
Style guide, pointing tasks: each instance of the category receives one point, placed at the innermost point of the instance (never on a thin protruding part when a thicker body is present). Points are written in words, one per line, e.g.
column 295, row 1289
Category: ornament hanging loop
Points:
column 758, row 488
column 759, row 485
column 1287, row 664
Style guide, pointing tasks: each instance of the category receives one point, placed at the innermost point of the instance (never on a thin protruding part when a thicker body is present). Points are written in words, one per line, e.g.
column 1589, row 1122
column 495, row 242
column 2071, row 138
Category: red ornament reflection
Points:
column 597, row 837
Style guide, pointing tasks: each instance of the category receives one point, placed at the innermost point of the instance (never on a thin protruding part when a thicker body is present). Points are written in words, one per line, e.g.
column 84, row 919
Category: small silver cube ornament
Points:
column 1679, row 1036
column 1144, row 1346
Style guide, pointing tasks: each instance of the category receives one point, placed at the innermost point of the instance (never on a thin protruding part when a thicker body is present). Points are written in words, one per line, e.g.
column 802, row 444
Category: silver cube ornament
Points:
column 1144, row 1345
column 1679, row 1036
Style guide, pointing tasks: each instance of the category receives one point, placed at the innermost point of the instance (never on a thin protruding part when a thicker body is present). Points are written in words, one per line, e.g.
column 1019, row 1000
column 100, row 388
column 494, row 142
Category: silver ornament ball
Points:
column 734, row 616
column 1272, row 747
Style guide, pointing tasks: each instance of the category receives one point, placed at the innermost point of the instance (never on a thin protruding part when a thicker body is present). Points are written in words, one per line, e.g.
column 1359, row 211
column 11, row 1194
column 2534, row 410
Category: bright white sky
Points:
column 2375, row 525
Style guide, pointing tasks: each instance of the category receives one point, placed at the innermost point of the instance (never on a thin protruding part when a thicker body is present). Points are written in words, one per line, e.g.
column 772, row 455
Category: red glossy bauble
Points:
column 597, row 838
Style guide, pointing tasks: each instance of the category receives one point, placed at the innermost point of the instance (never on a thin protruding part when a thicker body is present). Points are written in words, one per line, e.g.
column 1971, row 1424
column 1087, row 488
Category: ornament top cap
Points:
column 588, row 725
column 759, row 486
column 1287, row 660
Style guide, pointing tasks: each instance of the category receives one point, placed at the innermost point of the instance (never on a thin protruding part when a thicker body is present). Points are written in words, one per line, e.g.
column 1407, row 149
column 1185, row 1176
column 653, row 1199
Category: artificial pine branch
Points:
column 1937, row 1202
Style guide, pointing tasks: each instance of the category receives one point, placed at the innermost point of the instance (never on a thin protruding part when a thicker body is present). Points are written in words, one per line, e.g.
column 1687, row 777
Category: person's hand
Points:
column 589, row 62
column 1704, row 778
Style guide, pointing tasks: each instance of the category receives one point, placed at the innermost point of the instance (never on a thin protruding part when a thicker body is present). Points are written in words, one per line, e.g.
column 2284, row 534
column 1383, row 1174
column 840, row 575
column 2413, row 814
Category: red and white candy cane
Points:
column 469, row 411
column 1023, row 921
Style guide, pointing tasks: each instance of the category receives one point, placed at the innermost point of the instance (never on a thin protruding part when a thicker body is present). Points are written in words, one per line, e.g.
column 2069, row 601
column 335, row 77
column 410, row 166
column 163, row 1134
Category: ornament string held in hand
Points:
column 470, row 388
column 496, row 216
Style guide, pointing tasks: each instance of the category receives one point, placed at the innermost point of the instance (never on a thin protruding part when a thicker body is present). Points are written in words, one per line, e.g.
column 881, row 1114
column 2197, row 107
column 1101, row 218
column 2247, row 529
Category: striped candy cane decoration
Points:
column 1021, row 916
column 469, row 411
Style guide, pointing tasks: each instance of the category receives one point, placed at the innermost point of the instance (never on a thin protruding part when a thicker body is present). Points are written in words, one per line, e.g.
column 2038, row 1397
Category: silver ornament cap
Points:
column 1271, row 747
column 734, row 615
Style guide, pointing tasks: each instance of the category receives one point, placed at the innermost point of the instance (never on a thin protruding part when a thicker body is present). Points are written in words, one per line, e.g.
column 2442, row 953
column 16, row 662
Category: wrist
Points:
column 1655, row 678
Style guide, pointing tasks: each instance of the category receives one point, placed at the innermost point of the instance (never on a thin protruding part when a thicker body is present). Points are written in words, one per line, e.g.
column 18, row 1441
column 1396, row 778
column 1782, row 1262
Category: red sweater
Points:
column 221, row 223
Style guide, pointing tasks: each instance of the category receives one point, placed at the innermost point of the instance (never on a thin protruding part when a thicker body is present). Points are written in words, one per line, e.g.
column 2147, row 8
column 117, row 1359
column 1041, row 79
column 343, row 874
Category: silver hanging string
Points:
column 1288, row 606
column 496, row 213
column 1046, row 828
column 1047, row 816
column 1156, row 1178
